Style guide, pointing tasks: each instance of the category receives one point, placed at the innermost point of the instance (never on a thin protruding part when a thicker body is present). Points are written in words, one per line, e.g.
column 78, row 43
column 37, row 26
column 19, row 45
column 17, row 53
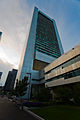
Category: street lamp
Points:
column 29, row 74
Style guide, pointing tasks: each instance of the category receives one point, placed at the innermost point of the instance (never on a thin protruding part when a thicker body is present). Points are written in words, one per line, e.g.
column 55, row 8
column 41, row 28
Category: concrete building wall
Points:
column 56, row 71
column 63, row 82
column 44, row 57
column 65, row 57
column 62, row 70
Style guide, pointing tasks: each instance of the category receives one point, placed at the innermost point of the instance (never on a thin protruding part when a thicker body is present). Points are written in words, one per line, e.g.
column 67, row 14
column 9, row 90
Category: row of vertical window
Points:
column 46, row 40
column 41, row 36
column 44, row 25
column 48, row 48
column 46, row 51
column 50, row 44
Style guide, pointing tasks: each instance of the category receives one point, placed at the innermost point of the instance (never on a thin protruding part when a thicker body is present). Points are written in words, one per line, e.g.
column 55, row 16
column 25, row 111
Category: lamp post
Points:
column 29, row 92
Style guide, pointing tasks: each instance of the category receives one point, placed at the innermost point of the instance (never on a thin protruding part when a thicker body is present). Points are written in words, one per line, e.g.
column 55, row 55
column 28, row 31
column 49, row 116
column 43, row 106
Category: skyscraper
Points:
column 0, row 74
column 43, row 46
column 10, row 81
column 0, row 35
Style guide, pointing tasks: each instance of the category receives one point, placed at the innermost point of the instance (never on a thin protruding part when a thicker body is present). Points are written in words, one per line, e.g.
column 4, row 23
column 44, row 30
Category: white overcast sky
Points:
column 15, row 19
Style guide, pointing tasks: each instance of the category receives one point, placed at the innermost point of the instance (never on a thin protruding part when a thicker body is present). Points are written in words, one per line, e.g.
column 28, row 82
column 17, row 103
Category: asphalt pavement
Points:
column 9, row 111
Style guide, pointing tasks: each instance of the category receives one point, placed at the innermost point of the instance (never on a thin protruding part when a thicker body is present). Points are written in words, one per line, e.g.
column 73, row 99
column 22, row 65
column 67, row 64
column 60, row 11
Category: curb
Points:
column 33, row 114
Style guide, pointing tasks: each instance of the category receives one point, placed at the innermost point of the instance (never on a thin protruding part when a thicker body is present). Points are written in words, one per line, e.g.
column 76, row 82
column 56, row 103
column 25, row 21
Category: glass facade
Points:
column 0, row 33
column 46, row 40
column 0, row 74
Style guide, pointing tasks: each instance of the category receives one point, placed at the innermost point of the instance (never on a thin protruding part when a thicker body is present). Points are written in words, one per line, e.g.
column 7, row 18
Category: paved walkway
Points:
column 8, row 111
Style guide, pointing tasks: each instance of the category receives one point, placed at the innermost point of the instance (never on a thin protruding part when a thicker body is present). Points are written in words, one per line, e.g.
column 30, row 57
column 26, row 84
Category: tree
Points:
column 44, row 94
column 63, row 94
column 76, row 93
column 21, row 87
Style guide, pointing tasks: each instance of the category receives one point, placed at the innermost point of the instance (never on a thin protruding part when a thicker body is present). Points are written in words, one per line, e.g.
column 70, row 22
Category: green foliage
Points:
column 44, row 94
column 76, row 93
column 2, row 92
column 21, row 87
column 63, row 94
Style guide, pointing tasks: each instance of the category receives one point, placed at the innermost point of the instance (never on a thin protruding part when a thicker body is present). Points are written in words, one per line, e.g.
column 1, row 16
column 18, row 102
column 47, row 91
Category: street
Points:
column 9, row 111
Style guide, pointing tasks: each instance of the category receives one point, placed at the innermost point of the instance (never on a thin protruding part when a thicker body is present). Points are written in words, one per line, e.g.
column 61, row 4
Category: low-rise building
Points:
column 64, row 70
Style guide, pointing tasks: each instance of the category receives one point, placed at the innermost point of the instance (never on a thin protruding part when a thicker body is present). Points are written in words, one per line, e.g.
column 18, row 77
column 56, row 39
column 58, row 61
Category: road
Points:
column 9, row 111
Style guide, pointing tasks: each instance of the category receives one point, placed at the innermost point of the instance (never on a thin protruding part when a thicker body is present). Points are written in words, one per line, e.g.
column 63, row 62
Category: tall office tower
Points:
column 0, row 74
column 43, row 46
column 0, row 35
column 10, row 81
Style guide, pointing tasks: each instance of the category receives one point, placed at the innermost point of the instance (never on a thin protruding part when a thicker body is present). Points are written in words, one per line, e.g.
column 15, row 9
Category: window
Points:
column 46, row 40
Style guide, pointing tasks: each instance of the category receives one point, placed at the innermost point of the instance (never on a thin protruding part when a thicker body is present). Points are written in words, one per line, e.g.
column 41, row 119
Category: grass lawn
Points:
column 59, row 112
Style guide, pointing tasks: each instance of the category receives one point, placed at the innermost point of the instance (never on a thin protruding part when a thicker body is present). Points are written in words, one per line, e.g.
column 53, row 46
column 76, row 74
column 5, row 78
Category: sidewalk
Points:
column 9, row 111
column 30, row 112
